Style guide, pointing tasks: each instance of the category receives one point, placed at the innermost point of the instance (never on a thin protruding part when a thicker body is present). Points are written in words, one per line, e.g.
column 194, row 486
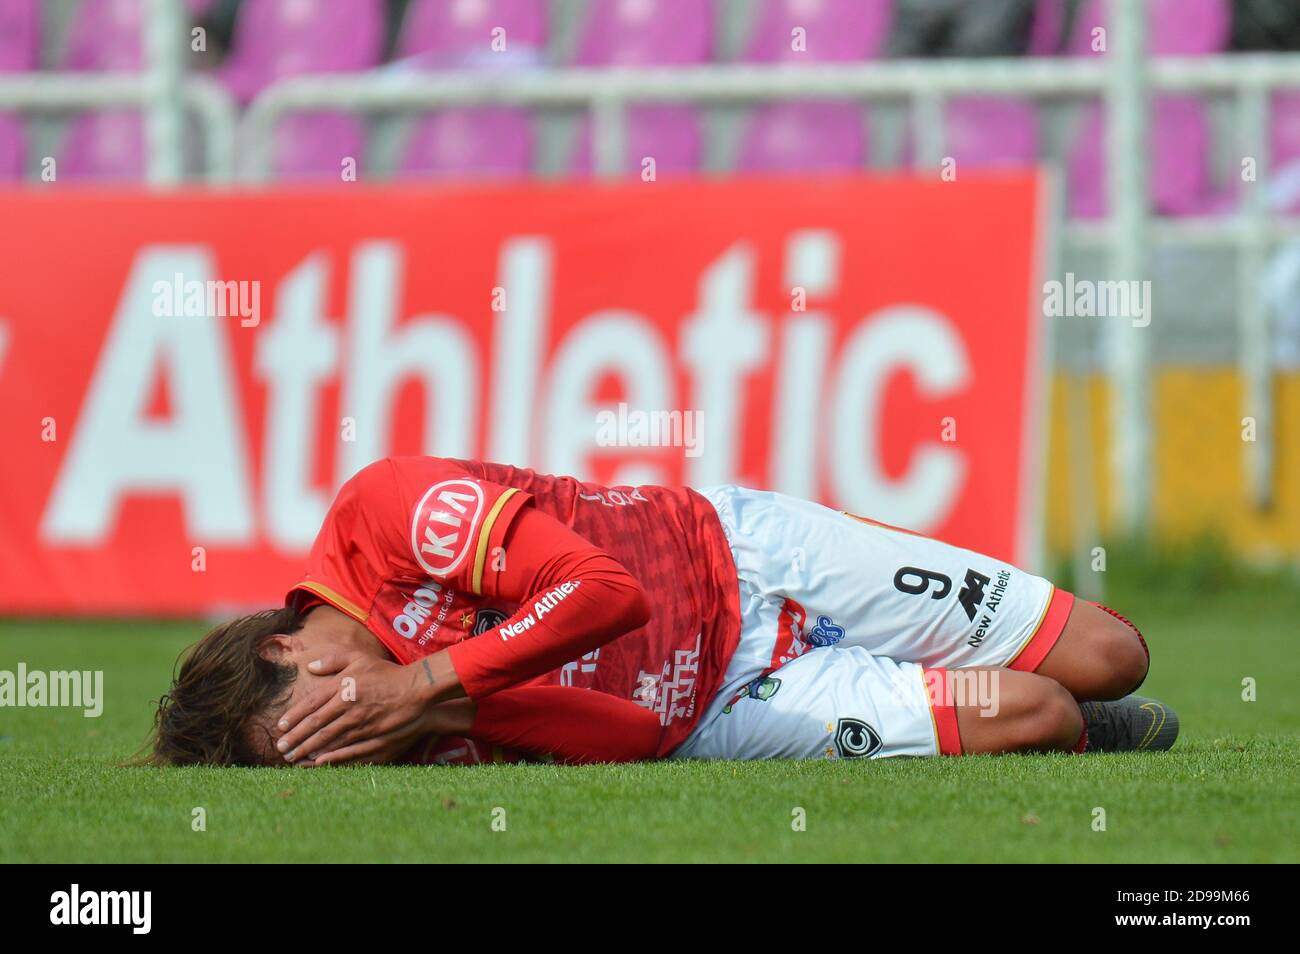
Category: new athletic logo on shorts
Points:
column 972, row 596
column 991, row 607
column 445, row 523
column 854, row 739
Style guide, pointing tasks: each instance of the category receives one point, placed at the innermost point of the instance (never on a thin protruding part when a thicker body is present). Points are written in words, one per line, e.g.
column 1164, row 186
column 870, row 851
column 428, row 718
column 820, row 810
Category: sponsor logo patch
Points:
column 417, row 609
column 670, row 693
column 445, row 525
column 825, row 633
column 854, row 739
column 761, row 689
column 972, row 593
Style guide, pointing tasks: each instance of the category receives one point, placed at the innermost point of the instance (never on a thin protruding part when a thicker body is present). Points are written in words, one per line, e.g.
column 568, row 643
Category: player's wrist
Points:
column 434, row 680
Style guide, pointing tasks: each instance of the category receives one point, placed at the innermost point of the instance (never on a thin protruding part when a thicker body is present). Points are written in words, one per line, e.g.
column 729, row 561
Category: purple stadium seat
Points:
column 20, row 22
column 20, row 35
column 482, row 141
column 991, row 131
column 1045, row 32
column 805, row 136
column 669, row 134
column 458, row 34
column 647, row 33
column 1179, row 175
column 106, row 36
column 314, row 145
column 836, row 31
column 1285, row 148
column 104, row 145
column 277, row 39
column 1180, row 146
column 812, row 135
column 13, row 147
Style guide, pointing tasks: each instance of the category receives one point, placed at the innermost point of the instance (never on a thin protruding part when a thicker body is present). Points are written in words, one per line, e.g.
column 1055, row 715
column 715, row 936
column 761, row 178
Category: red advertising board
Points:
column 187, row 378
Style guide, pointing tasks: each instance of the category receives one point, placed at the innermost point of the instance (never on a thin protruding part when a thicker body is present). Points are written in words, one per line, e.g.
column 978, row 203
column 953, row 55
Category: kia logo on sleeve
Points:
column 446, row 519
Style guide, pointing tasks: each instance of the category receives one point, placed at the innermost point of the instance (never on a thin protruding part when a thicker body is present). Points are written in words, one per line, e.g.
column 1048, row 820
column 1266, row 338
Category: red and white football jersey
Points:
column 415, row 548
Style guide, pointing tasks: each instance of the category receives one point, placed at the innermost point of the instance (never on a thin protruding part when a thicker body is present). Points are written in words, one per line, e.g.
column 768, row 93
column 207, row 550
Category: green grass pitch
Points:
column 1227, row 792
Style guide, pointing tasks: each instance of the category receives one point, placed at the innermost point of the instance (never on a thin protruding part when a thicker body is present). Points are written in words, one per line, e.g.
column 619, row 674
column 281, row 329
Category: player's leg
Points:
column 1011, row 618
column 1002, row 710
column 847, row 703
column 1027, row 713
column 1099, row 654
column 836, row 579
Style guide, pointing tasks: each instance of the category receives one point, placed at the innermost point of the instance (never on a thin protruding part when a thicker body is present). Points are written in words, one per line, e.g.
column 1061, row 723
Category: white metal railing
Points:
column 605, row 92
column 207, row 100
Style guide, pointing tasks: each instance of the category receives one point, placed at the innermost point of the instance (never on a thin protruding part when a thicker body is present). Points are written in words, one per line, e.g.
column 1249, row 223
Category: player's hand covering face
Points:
column 367, row 710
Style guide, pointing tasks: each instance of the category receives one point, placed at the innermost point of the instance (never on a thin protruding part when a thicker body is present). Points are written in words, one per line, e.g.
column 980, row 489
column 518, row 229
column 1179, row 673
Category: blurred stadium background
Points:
column 1170, row 130
column 1195, row 194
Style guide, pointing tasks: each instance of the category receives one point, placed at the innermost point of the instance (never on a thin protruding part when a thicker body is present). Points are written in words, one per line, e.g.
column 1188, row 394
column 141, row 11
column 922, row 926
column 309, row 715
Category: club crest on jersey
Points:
column 485, row 619
column 854, row 739
column 444, row 525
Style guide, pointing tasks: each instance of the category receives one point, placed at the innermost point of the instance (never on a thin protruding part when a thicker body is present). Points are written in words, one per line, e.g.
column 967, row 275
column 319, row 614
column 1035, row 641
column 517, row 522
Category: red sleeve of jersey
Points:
column 574, row 597
column 454, row 524
column 576, row 726
column 420, row 517
column 349, row 559
column 428, row 516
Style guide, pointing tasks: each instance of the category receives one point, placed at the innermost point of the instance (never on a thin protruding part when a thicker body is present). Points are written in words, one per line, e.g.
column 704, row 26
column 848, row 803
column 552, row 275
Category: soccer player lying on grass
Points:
column 483, row 602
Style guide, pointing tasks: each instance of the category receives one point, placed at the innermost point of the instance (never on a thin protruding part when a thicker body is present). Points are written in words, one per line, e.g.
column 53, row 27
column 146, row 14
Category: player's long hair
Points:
column 221, row 689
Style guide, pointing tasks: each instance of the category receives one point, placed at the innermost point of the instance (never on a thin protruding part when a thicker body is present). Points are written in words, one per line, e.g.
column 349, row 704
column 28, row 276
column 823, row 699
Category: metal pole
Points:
column 165, row 112
column 1127, row 347
column 609, row 136
column 1255, row 358
column 928, row 132
column 1078, row 415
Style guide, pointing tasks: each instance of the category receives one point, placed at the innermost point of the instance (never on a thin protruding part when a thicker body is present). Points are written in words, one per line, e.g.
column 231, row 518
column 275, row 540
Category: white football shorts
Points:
column 848, row 627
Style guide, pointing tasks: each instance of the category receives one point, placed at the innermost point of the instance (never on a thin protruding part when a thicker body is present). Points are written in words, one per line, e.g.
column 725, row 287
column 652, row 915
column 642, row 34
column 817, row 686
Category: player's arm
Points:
column 575, row 726
column 574, row 598
column 570, row 725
